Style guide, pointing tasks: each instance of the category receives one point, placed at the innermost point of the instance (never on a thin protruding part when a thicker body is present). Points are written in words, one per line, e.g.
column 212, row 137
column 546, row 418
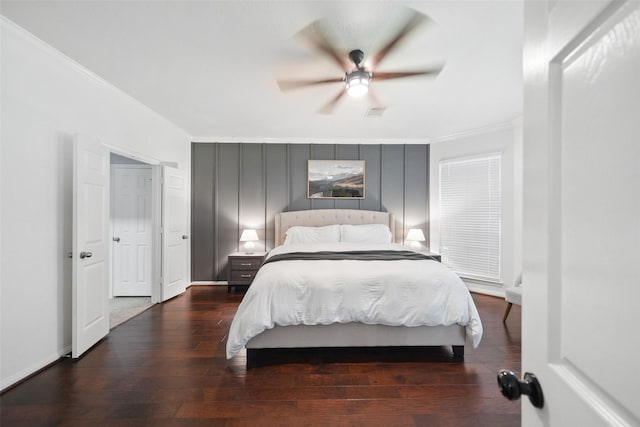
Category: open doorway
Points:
column 132, row 238
column 93, row 238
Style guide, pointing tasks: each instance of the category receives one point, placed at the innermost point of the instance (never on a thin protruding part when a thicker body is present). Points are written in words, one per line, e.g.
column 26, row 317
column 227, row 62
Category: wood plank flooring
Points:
column 167, row 367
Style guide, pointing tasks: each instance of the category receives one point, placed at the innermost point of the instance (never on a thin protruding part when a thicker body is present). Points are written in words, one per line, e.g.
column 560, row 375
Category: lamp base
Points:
column 415, row 245
column 248, row 247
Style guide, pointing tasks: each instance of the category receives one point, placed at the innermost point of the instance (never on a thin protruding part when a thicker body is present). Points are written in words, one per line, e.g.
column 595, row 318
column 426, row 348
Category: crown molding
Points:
column 310, row 140
column 476, row 131
column 361, row 141
column 43, row 46
column 50, row 50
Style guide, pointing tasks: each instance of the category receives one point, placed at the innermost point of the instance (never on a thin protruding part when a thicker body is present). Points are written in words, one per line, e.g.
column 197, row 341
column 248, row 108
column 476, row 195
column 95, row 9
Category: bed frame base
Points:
column 257, row 357
column 355, row 341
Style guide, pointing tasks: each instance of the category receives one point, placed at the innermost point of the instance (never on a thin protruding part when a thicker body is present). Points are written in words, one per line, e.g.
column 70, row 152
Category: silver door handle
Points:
column 185, row 237
column 84, row 254
column 116, row 239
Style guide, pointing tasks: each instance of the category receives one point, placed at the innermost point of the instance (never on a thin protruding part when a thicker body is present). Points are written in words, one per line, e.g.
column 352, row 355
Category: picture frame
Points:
column 336, row 179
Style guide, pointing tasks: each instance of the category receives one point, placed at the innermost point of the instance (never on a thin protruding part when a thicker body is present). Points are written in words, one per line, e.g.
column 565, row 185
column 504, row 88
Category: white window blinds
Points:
column 470, row 203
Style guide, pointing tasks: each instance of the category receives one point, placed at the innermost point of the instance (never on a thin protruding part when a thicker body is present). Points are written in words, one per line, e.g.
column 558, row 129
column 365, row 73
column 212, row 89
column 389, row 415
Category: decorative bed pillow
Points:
column 302, row 234
column 365, row 233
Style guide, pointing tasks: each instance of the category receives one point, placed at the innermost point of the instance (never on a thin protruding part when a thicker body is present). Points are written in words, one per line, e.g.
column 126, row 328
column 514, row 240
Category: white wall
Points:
column 46, row 99
column 506, row 140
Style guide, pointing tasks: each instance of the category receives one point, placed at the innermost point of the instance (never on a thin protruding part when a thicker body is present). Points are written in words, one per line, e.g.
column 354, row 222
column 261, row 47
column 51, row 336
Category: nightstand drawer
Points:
column 242, row 277
column 245, row 263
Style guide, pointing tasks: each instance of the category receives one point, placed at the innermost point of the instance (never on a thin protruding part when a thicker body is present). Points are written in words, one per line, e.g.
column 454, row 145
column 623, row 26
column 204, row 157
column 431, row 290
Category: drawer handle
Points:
column 245, row 276
column 245, row 264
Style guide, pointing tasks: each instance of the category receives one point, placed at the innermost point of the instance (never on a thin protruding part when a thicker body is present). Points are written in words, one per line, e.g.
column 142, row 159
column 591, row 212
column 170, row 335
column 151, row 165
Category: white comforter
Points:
column 319, row 292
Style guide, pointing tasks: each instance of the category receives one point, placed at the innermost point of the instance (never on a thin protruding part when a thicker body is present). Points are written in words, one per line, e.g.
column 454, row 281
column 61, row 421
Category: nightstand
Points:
column 242, row 268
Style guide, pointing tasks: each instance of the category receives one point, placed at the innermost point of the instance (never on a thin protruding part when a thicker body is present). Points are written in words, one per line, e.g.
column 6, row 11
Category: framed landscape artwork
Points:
column 335, row 179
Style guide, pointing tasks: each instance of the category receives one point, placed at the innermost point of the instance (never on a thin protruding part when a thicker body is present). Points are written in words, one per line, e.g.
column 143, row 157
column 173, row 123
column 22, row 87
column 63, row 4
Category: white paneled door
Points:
column 174, row 232
column 582, row 212
column 90, row 275
column 132, row 229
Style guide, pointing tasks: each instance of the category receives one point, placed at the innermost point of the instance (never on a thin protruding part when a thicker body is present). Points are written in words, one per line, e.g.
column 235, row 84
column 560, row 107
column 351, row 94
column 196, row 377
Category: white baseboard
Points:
column 207, row 283
column 485, row 289
column 5, row 383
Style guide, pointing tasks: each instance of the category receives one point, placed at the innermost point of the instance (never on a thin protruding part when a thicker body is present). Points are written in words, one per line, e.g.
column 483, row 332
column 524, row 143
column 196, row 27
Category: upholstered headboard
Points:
column 321, row 217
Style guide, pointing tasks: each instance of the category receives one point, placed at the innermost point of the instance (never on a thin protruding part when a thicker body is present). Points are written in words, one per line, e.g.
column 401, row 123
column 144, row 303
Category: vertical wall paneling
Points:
column 372, row 156
column 426, row 231
column 264, row 191
column 416, row 206
column 237, row 186
column 392, row 187
column 251, row 195
column 276, row 186
column 227, row 191
column 202, row 219
column 298, row 156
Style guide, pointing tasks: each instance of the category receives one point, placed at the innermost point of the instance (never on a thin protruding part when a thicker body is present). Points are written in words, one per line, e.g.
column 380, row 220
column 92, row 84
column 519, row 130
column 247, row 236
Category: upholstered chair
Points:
column 512, row 295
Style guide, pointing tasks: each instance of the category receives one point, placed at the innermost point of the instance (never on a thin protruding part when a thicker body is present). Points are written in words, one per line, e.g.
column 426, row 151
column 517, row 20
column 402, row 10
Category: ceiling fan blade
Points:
column 401, row 74
column 413, row 21
column 329, row 106
column 316, row 35
column 296, row 84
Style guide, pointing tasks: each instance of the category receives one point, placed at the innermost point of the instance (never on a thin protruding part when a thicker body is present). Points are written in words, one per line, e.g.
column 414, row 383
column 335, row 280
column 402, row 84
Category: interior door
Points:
column 132, row 227
column 174, row 232
column 582, row 211
column 90, row 255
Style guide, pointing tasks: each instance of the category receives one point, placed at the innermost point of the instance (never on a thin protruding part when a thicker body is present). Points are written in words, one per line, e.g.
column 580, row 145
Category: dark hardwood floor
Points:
column 167, row 367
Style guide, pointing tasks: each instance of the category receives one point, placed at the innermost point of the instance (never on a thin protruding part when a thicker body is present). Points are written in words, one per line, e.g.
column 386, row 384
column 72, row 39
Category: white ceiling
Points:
column 211, row 66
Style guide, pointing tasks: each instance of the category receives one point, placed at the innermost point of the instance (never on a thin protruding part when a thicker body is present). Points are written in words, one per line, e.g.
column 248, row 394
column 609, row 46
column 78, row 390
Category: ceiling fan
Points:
column 357, row 77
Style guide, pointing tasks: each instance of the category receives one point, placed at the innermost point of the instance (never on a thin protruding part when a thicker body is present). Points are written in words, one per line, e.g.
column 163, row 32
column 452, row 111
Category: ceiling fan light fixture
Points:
column 357, row 83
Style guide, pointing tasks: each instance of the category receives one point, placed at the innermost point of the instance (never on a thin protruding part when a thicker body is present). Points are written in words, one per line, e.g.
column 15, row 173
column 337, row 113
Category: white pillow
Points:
column 301, row 234
column 365, row 233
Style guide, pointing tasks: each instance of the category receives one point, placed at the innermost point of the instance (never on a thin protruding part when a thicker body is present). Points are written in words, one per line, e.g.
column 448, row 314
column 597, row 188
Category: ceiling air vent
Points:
column 375, row 112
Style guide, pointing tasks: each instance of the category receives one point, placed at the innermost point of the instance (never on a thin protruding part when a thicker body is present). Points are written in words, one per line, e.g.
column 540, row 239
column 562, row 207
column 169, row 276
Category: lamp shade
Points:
column 415, row 234
column 249, row 235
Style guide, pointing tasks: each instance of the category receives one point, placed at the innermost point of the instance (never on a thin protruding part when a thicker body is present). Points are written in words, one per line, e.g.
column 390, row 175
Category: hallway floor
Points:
column 125, row 308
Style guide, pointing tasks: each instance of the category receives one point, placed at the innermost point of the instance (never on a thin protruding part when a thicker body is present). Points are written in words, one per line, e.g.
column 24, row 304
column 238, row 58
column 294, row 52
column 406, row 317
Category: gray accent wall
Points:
column 237, row 186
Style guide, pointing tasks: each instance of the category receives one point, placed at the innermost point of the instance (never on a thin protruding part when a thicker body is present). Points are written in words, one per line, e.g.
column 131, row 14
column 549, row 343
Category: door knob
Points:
column 512, row 388
column 185, row 237
column 116, row 239
column 84, row 254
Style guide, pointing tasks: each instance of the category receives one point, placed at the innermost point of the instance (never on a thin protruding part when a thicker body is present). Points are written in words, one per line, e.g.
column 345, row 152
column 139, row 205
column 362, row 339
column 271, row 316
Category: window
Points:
column 470, row 204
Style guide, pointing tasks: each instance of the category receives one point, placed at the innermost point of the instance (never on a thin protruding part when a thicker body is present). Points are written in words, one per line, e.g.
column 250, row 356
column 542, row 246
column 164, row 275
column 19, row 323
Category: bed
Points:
column 320, row 288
